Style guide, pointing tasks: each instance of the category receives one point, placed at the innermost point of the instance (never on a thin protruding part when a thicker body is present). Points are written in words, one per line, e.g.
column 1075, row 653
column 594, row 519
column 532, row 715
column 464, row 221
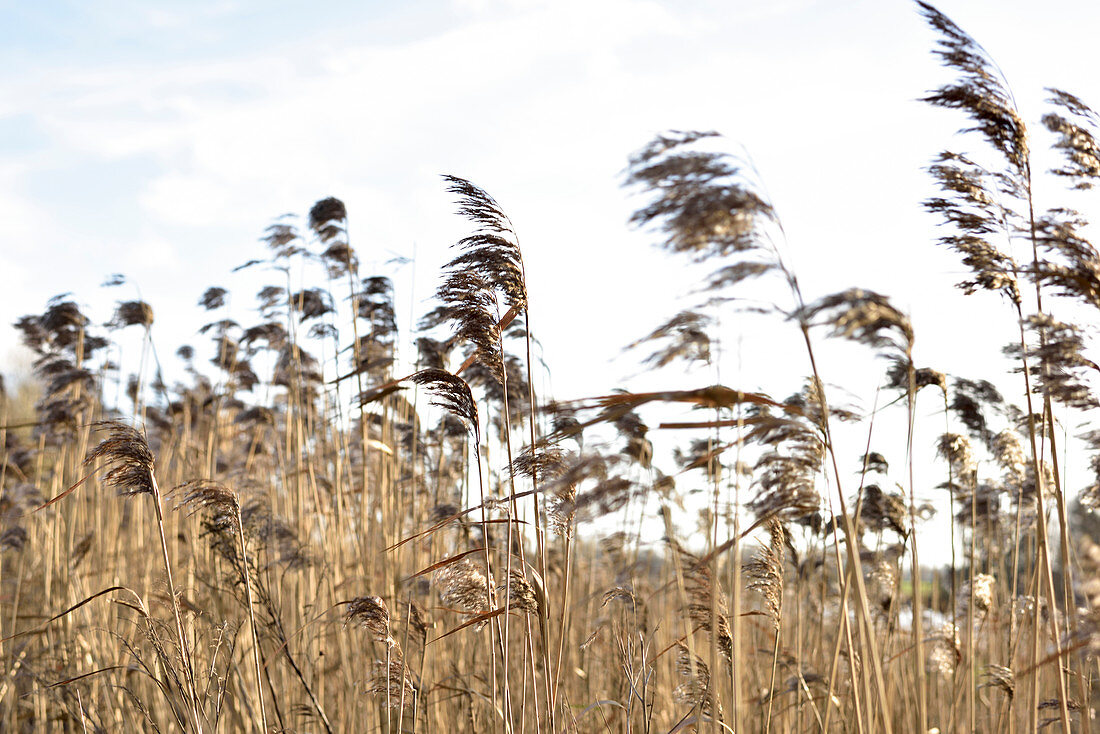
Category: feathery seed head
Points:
column 392, row 681
column 463, row 586
column 127, row 453
column 132, row 313
column 372, row 614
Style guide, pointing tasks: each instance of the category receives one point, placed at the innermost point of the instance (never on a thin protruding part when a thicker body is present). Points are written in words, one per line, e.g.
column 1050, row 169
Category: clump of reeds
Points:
column 446, row 484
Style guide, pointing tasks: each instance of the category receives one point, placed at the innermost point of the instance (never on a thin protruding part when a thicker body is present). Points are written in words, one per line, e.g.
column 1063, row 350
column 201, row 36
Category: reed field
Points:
column 302, row 524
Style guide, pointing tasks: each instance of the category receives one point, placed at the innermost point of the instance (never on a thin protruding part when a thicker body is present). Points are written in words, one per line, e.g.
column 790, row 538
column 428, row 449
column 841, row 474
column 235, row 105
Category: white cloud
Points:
column 18, row 213
column 310, row 117
column 153, row 254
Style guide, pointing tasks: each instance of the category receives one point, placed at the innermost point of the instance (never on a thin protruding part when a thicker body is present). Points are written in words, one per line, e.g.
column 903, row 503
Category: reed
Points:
column 359, row 534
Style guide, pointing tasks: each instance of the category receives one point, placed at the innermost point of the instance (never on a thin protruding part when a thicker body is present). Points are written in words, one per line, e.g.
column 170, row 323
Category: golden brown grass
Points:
column 364, row 541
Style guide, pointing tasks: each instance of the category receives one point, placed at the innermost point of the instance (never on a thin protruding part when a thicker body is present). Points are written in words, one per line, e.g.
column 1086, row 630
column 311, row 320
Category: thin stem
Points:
column 185, row 652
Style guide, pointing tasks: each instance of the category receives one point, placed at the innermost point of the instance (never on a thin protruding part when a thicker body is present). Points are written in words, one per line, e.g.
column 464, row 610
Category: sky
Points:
column 158, row 140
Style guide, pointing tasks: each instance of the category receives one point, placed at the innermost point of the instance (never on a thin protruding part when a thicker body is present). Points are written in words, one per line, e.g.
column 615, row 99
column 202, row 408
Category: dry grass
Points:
column 364, row 542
